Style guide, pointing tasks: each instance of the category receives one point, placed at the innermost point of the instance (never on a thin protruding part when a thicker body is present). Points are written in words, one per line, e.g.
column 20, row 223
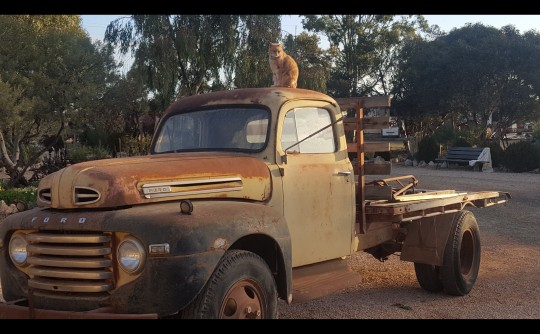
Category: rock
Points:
column 408, row 162
column 7, row 209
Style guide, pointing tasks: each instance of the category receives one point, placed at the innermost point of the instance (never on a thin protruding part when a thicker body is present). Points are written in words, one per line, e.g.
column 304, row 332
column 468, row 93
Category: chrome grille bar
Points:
column 64, row 262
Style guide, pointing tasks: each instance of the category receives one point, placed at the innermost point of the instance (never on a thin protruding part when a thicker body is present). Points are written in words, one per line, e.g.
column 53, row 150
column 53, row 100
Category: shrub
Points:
column 461, row 138
column 461, row 142
column 522, row 156
column 136, row 146
column 536, row 132
column 80, row 153
column 536, row 144
column 497, row 153
column 27, row 195
column 444, row 135
column 428, row 149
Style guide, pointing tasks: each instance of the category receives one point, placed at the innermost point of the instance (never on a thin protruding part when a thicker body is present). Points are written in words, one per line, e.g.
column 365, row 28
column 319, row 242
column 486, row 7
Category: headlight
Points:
column 17, row 249
column 131, row 255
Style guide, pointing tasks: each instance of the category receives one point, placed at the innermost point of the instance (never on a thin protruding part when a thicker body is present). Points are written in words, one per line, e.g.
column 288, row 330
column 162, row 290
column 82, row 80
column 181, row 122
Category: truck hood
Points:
column 155, row 178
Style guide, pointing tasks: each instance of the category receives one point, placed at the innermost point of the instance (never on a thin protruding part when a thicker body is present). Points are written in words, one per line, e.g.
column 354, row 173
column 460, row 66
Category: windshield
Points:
column 224, row 128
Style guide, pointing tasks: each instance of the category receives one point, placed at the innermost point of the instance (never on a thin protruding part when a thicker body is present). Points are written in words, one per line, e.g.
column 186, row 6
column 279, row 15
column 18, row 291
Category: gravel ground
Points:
column 507, row 286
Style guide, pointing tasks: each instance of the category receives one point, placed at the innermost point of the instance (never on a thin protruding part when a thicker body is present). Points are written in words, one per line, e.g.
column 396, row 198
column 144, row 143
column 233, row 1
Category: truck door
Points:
column 318, row 184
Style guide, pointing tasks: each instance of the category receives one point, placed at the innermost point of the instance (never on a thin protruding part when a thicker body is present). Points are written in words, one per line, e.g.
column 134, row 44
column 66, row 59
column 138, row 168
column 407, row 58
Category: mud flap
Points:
column 426, row 239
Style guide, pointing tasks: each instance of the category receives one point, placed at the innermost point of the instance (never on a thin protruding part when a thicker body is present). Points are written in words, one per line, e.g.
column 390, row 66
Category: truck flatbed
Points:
column 405, row 202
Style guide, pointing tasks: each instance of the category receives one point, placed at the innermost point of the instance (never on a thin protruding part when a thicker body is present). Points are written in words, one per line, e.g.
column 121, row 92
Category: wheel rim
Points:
column 466, row 257
column 244, row 300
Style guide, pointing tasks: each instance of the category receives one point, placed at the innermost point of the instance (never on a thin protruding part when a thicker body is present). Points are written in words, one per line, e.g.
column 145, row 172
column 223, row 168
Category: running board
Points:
column 321, row 279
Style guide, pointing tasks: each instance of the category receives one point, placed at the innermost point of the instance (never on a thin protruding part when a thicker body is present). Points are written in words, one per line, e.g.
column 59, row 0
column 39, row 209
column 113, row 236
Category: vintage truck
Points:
column 244, row 194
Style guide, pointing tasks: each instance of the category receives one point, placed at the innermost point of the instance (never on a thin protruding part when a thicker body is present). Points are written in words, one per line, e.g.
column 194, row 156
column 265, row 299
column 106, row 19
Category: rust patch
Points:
column 264, row 96
column 219, row 243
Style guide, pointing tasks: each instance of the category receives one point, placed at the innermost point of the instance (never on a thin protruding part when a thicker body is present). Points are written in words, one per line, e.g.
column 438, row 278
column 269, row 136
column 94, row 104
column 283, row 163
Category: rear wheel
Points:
column 241, row 287
column 428, row 277
column 462, row 255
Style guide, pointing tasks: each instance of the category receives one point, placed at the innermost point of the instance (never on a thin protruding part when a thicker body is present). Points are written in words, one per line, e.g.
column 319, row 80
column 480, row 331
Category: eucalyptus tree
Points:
column 313, row 62
column 121, row 118
column 364, row 49
column 49, row 71
column 250, row 65
column 182, row 55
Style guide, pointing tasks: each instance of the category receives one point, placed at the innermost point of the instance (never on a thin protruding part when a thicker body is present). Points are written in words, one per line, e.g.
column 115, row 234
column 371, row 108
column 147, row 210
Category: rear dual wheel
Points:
column 461, row 261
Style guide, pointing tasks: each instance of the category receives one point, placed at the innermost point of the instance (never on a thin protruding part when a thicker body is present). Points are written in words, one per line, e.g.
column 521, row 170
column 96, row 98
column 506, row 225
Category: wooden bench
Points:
column 474, row 157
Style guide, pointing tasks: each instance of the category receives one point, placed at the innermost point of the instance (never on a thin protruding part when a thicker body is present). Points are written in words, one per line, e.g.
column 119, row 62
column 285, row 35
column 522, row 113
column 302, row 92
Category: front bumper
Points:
column 21, row 310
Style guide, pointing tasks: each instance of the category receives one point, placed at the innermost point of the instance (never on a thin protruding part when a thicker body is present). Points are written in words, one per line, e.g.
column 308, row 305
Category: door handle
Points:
column 344, row 173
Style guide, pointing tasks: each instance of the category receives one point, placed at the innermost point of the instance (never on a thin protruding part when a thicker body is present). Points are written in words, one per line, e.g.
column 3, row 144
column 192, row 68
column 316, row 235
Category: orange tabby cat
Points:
column 284, row 68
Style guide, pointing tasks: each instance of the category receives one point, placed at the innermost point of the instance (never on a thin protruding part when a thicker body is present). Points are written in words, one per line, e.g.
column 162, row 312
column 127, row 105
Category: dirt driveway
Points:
column 508, row 285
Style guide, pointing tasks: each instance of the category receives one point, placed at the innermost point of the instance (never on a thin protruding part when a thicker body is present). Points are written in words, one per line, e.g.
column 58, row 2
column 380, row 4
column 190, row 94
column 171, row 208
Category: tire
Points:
column 462, row 255
column 428, row 277
column 241, row 287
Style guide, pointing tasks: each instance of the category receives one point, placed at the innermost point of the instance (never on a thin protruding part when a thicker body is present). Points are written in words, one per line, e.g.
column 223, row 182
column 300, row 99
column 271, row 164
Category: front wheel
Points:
column 462, row 255
column 241, row 287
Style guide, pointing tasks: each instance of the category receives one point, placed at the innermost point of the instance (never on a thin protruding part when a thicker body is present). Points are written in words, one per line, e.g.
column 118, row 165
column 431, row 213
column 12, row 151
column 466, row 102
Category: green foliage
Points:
column 313, row 63
column 80, row 153
column 461, row 142
column 136, row 146
column 248, row 65
column 522, row 156
column 536, row 132
column 445, row 135
column 365, row 49
column 428, row 149
column 27, row 195
column 46, row 23
column 50, row 72
column 470, row 75
column 497, row 153
column 180, row 55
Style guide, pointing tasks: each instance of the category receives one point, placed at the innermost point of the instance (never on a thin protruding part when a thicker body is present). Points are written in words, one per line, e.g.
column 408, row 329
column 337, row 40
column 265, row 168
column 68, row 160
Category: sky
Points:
column 95, row 25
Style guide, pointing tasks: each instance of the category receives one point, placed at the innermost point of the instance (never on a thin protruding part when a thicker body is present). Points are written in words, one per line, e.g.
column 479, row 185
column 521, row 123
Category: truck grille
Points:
column 70, row 262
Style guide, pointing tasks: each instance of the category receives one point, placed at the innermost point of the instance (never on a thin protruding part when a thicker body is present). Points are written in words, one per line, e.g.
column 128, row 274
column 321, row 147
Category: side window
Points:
column 301, row 123
column 256, row 131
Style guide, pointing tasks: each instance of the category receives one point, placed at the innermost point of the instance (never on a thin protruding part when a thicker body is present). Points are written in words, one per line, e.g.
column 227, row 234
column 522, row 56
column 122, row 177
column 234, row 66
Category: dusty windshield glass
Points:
column 224, row 129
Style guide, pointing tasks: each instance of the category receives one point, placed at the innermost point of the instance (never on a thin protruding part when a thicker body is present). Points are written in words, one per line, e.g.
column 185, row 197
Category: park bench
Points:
column 479, row 158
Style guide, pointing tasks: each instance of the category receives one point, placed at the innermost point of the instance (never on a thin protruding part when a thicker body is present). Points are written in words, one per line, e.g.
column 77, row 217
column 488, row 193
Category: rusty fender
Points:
column 426, row 239
column 197, row 241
